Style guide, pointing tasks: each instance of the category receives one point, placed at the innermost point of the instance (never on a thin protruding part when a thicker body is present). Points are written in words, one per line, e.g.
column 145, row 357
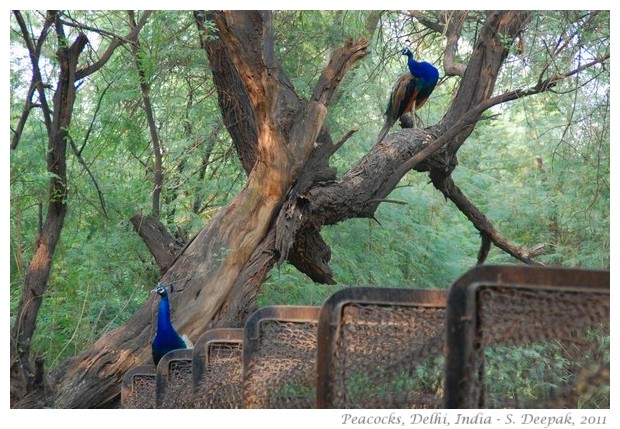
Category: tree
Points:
column 57, row 119
column 291, row 190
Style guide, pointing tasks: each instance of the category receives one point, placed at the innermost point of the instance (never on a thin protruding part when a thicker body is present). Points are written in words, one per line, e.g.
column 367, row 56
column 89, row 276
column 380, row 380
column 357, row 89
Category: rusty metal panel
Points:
column 381, row 348
column 174, row 380
column 528, row 337
column 217, row 369
column 138, row 387
column 279, row 352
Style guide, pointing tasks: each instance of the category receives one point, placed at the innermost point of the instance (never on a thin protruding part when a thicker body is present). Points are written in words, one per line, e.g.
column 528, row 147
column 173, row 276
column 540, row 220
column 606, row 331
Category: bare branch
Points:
column 343, row 139
column 84, row 27
column 158, row 171
column 485, row 248
column 340, row 62
column 448, row 188
column 92, row 121
column 115, row 43
column 36, row 82
column 472, row 116
column 84, row 165
column 28, row 105
column 436, row 26
column 562, row 44
column 453, row 34
column 157, row 238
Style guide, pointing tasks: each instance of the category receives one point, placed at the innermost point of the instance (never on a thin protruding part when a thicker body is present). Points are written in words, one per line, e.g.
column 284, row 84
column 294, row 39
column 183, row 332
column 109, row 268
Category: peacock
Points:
column 412, row 89
column 166, row 338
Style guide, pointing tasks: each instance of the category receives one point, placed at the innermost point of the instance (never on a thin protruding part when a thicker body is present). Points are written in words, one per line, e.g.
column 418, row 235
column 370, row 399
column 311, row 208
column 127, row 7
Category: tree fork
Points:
column 359, row 192
column 222, row 254
column 35, row 280
column 57, row 125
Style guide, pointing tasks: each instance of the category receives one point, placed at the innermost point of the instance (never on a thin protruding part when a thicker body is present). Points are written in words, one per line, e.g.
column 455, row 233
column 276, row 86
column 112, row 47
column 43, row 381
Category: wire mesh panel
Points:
column 174, row 380
column 279, row 353
column 381, row 348
column 528, row 337
column 217, row 369
column 138, row 387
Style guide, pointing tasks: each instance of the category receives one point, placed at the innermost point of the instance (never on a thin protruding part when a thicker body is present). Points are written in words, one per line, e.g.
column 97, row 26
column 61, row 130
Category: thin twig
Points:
column 92, row 176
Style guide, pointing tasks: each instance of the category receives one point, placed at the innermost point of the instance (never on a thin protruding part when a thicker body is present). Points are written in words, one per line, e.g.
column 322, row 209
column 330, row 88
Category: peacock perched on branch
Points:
column 166, row 338
column 410, row 91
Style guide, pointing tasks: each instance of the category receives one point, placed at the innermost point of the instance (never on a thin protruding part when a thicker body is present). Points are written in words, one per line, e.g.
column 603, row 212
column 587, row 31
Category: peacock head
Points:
column 161, row 290
column 406, row 51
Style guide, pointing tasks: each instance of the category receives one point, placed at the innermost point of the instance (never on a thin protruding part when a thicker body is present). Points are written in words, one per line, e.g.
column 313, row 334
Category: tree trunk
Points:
column 145, row 90
column 38, row 271
column 290, row 193
column 23, row 378
column 207, row 269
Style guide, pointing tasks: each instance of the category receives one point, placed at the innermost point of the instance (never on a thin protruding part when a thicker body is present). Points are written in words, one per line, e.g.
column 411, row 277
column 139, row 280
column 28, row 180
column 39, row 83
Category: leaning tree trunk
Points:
column 290, row 193
column 206, row 270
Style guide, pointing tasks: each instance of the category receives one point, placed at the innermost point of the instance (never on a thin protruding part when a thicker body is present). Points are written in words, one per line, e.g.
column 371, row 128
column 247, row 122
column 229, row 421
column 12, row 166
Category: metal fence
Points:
column 524, row 337
column 501, row 337
column 279, row 354
column 138, row 387
column 381, row 348
column 217, row 369
column 174, row 380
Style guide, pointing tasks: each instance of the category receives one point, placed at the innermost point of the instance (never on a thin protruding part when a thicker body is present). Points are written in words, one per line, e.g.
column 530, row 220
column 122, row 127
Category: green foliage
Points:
column 102, row 271
column 540, row 370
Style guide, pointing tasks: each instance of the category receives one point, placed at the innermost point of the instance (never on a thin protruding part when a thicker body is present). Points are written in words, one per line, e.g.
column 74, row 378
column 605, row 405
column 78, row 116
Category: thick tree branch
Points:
column 339, row 63
column 359, row 192
column 233, row 98
column 159, row 241
column 248, row 38
column 453, row 34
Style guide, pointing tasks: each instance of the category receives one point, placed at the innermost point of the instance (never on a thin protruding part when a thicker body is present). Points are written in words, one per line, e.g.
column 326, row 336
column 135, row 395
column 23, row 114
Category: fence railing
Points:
column 502, row 336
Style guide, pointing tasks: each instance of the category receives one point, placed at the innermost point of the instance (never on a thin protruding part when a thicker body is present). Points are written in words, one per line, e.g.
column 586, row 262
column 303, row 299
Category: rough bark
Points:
column 220, row 255
column 57, row 121
column 233, row 97
column 291, row 191
column 158, row 239
column 35, row 280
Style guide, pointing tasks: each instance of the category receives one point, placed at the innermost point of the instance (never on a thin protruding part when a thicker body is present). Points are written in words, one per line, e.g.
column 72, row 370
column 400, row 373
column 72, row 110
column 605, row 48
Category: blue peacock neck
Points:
column 421, row 69
column 163, row 315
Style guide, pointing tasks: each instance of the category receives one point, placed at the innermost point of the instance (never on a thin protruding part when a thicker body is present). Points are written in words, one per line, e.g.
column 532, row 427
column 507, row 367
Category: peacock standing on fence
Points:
column 410, row 91
column 166, row 338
